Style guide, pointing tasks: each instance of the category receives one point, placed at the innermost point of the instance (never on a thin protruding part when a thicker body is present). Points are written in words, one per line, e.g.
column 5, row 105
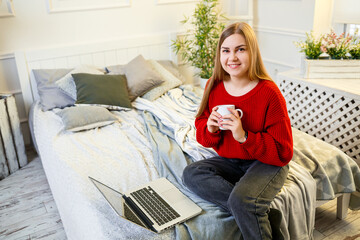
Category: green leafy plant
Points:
column 355, row 51
column 198, row 46
column 311, row 46
column 354, row 48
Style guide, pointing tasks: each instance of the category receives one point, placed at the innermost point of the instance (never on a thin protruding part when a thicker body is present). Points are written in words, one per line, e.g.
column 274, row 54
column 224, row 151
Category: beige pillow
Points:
column 141, row 77
column 116, row 69
column 173, row 68
column 170, row 82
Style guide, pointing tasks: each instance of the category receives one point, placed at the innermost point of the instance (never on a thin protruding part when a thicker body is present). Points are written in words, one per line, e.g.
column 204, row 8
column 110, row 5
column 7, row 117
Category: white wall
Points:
column 34, row 27
column 347, row 11
column 278, row 23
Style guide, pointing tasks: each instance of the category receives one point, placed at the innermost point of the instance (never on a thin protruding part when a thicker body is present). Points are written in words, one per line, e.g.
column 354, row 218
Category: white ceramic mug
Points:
column 223, row 110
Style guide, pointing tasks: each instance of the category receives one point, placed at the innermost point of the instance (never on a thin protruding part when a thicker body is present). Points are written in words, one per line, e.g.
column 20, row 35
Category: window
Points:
column 351, row 29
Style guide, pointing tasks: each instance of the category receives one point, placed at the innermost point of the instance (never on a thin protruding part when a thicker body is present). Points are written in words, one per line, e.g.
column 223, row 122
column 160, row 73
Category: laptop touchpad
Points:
column 173, row 196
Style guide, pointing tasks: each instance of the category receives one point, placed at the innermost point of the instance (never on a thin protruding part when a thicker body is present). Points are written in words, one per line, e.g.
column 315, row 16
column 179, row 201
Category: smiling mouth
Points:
column 233, row 65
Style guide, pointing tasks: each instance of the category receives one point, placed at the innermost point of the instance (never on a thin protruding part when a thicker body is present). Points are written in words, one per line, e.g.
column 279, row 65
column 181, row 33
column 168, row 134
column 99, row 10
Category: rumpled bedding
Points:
column 296, row 200
column 158, row 139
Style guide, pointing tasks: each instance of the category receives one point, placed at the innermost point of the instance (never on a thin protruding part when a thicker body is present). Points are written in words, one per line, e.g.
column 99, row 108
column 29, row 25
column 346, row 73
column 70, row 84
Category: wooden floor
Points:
column 28, row 210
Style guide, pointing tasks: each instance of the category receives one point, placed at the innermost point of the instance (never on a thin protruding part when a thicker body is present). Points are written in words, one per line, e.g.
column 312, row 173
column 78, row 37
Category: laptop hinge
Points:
column 138, row 211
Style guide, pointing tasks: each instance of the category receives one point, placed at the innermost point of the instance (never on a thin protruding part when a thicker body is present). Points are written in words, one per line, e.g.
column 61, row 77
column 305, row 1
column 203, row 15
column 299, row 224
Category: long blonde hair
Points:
column 256, row 68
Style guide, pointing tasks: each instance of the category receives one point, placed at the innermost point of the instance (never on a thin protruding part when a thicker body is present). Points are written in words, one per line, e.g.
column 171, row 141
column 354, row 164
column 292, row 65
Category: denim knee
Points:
column 188, row 174
column 239, row 202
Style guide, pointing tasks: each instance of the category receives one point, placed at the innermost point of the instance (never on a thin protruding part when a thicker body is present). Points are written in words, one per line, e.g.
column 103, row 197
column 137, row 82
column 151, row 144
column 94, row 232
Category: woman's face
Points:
column 234, row 56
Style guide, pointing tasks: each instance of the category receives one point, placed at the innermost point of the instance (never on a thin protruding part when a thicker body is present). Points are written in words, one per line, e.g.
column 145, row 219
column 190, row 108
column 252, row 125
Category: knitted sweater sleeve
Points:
column 203, row 136
column 274, row 145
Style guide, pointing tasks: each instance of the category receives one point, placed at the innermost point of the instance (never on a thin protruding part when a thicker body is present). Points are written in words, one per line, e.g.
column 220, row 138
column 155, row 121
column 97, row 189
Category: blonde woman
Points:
column 253, row 150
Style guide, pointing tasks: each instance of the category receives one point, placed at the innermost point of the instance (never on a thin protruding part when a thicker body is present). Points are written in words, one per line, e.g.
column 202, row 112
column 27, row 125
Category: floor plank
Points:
column 27, row 207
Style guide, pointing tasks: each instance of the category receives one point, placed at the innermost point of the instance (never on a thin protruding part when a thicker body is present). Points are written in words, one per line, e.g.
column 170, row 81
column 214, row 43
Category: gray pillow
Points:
column 51, row 96
column 141, row 77
column 102, row 89
column 82, row 118
column 67, row 83
column 170, row 82
column 173, row 68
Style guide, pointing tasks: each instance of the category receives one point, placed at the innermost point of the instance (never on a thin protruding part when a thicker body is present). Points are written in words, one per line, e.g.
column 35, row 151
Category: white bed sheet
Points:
column 124, row 161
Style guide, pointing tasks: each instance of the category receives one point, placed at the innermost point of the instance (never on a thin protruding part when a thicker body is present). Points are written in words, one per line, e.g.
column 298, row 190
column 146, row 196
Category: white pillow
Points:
column 170, row 82
column 67, row 83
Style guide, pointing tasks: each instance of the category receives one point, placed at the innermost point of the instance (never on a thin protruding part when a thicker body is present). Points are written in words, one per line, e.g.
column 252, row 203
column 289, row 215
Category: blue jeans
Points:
column 245, row 188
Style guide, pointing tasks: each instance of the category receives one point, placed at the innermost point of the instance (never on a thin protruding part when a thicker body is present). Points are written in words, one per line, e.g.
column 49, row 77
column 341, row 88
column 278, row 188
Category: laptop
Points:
column 156, row 206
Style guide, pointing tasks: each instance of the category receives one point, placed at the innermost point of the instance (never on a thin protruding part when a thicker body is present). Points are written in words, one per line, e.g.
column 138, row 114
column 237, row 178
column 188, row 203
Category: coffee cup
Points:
column 223, row 110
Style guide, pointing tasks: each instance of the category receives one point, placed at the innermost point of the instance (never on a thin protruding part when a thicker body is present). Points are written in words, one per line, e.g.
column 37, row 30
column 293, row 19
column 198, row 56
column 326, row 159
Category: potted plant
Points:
column 198, row 45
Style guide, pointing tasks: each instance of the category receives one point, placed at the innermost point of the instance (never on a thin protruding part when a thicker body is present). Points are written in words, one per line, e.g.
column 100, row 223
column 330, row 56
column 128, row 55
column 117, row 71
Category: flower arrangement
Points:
column 311, row 46
column 336, row 46
column 198, row 45
column 354, row 48
column 331, row 45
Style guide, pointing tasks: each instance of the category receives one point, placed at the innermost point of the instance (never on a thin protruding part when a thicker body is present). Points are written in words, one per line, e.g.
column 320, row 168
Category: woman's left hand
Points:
column 233, row 123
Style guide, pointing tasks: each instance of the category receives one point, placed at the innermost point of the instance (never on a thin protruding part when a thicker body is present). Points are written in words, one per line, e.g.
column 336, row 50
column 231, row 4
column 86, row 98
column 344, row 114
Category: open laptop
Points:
column 156, row 206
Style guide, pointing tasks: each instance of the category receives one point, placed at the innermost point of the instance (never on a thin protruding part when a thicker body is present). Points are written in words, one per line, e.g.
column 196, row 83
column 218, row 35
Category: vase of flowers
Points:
column 198, row 45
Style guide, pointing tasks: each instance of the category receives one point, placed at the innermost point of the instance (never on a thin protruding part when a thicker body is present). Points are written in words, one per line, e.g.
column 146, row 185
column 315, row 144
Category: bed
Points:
column 155, row 138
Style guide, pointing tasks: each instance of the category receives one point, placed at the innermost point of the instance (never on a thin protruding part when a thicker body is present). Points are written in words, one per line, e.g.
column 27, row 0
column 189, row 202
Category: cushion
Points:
column 101, row 89
column 82, row 118
column 67, row 84
column 116, row 69
column 173, row 68
column 141, row 77
column 170, row 82
column 51, row 96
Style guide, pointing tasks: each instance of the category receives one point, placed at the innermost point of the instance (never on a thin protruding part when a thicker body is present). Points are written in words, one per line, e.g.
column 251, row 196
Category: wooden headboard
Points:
column 100, row 54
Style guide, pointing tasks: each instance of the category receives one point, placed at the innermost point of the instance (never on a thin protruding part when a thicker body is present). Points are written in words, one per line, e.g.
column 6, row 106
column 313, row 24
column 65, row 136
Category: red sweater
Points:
column 265, row 118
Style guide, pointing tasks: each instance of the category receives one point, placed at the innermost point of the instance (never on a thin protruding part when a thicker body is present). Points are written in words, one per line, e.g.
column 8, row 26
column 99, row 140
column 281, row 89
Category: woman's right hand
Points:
column 213, row 121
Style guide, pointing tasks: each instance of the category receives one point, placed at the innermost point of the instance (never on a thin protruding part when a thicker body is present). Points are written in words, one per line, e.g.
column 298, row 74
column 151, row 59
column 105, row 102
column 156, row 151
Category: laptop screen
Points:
column 115, row 199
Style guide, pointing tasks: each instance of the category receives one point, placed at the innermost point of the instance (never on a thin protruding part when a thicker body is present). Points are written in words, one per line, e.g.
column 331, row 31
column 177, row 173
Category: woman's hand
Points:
column 233, row 123
column 213, row 120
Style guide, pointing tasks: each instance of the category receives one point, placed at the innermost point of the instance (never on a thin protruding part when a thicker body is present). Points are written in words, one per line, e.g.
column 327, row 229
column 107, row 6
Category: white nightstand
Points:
column 328, row 109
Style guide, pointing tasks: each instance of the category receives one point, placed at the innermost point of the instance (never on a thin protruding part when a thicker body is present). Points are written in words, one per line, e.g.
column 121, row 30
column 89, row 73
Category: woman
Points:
column 253, row 150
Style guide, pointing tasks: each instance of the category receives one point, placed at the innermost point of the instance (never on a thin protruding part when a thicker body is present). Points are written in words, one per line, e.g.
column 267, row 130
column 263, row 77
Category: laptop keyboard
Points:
column 155, row 205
